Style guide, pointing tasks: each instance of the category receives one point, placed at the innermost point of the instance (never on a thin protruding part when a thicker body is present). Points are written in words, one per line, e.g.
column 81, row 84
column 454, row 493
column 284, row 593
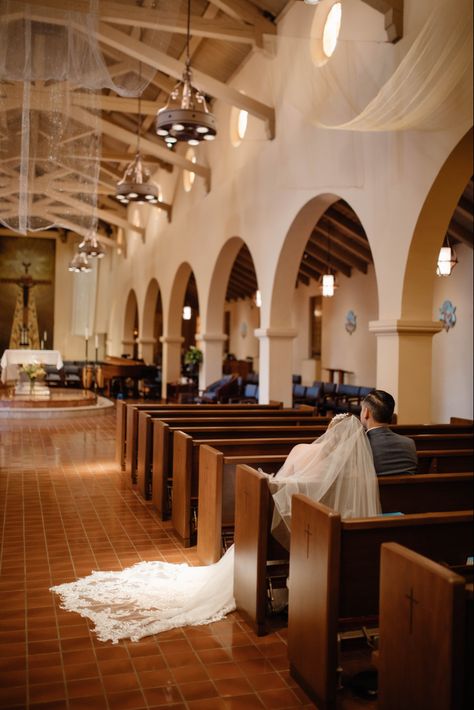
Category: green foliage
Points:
column 193, row 356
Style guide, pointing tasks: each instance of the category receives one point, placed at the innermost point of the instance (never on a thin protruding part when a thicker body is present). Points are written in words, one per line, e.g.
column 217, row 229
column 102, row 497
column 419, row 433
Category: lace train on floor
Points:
column 151, row 597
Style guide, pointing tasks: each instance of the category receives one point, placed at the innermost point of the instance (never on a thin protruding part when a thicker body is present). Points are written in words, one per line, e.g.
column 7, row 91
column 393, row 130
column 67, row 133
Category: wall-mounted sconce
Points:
column 187, row 313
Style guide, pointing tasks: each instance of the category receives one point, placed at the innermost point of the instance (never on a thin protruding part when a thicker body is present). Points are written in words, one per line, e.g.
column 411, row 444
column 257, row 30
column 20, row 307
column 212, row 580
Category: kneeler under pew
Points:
column 334, row 579
column 425, row 651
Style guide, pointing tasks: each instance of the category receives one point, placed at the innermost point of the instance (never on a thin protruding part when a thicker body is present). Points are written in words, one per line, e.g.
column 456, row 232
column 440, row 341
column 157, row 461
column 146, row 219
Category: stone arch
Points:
column 431, row 228
column 176, row 299
column 130, row 324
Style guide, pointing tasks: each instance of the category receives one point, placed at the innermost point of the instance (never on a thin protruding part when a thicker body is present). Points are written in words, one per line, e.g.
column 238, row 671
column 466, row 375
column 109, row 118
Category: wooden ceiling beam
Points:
column 329, row 259
column 338, row 248
column 392, row 10
column 458, row 232
column 308, row 271
column 344, row 225
column 163, row 62
column 464, row 206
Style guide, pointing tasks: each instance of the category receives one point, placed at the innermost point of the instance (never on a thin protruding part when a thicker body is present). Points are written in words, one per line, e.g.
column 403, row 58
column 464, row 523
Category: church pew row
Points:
column 196, row 410
column 334, row 579
column 425, row 653
column 161, row 469
column 258, row 553
column 124, row 417
column 186, row 466
column 155, row 455
column 406, row 493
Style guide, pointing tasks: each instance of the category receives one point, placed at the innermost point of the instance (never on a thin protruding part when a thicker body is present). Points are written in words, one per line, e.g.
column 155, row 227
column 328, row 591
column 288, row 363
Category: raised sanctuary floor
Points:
column 66, row 509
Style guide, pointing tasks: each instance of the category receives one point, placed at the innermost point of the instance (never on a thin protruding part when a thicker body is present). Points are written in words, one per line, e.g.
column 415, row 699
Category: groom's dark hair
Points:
column 381, row 405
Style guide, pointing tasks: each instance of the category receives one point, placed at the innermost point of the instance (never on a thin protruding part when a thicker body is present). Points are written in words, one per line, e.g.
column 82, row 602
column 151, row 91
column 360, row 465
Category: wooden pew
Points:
column 405, row 493
column 425, row 644
column 334, row 578
column 125, row 418
column 161, row 468
column 194, row 410
column 186, row 470
column 435, row 461
column 256, row 551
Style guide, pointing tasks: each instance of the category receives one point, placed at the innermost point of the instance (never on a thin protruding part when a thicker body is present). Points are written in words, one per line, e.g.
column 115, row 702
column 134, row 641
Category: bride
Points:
column 336, row 469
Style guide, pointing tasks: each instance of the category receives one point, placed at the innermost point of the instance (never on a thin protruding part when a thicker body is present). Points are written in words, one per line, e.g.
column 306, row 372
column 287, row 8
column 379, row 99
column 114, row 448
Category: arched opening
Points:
column 190, row 319
column 242, row 317
column 131, row 327
column 152, row 324
column 329, row 336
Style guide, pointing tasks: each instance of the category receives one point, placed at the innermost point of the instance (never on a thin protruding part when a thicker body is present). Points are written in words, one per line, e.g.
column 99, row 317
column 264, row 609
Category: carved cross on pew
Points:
column 308, row 533
column 412, row 601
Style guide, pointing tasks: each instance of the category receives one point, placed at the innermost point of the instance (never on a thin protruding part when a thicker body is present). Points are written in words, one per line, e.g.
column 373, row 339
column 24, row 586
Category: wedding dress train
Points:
column 152, row 597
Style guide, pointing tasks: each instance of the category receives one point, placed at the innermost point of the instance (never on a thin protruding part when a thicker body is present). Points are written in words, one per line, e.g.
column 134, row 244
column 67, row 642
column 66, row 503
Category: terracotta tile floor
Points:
column 67, row 509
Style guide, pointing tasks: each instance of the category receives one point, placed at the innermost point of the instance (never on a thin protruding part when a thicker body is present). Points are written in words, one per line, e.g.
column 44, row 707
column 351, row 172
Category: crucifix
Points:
column 412, row 601
column 25, row 310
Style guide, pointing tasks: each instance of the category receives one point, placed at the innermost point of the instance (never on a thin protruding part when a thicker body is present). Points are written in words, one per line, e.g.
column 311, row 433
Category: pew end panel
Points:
column 120, row 432
column 181, row 493
column 160, row 471
column 314, row 557
column 254, row 546
column 217, row 495
column 142, row 472
column 421, row 641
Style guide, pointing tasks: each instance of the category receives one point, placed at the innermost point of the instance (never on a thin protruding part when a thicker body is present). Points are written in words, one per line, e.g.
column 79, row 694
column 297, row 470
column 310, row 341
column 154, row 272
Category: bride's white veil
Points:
column 337, row 469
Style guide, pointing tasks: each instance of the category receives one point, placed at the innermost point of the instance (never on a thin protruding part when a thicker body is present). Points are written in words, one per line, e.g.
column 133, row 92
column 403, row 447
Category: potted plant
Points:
column 192, row 359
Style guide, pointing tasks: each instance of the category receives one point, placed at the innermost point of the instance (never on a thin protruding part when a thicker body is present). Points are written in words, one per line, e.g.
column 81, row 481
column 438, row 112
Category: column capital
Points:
column 211, row 337
column 284, row 333
column 147, row 341
column 171, row 339
column 396, row 326
column 128, row 341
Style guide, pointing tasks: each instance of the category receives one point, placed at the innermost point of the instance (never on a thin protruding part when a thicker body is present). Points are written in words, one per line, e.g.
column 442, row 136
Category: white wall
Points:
column 243, row 312
column 452, row 349
column 356, row 352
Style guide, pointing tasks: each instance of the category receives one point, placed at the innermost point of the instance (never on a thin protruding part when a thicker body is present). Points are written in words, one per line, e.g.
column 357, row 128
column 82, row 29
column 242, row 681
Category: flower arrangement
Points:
column 193, row 356
column 33, row 370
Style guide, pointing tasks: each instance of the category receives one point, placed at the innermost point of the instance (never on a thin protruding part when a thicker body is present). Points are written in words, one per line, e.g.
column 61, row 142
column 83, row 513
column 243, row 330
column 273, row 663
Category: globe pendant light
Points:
column 135, row 185
column 185, row 117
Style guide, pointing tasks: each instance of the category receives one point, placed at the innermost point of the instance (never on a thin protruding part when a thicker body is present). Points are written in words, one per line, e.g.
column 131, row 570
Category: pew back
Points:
column 422, row 651
column 334, row 574
column 257, row 427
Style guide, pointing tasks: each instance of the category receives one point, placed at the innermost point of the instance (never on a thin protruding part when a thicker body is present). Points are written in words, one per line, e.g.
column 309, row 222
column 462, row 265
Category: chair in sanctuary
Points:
column 220, row 390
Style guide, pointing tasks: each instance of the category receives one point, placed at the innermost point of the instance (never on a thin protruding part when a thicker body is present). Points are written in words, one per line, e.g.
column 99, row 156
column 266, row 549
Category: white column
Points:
column 212, row 346
column 404, row 358
column 276, row 359
column 146, row 349
column 171, row 360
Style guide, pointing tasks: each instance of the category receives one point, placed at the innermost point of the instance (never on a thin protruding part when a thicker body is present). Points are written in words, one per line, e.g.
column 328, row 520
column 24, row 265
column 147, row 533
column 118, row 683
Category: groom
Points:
column 393, row 454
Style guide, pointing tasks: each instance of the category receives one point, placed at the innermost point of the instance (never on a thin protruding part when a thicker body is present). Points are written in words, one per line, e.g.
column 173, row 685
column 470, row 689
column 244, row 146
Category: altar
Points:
column 11, row 359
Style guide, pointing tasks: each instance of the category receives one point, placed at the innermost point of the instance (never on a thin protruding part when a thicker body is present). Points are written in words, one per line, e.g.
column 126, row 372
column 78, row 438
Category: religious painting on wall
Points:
column 26, row 292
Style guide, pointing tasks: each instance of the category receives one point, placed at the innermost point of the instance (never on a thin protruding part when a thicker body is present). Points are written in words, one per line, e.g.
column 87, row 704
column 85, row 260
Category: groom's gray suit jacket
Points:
column 393, row 453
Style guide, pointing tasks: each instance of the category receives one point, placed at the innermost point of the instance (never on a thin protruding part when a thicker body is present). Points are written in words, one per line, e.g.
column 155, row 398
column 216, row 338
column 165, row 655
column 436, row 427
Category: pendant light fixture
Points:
column 79, row 263
column 91, row 247
column 135, row 185
column 328, row 280
column 185, row 117
column 447, row 259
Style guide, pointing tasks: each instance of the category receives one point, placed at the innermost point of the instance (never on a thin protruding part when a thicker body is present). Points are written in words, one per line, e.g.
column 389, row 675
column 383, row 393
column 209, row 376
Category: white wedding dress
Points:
column 152, row 597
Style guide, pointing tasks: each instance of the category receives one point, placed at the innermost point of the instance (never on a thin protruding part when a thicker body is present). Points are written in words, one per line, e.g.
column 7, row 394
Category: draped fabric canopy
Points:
column 51, row 70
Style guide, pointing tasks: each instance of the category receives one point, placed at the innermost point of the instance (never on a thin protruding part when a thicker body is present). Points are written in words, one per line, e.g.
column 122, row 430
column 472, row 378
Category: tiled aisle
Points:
column 66, row 509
